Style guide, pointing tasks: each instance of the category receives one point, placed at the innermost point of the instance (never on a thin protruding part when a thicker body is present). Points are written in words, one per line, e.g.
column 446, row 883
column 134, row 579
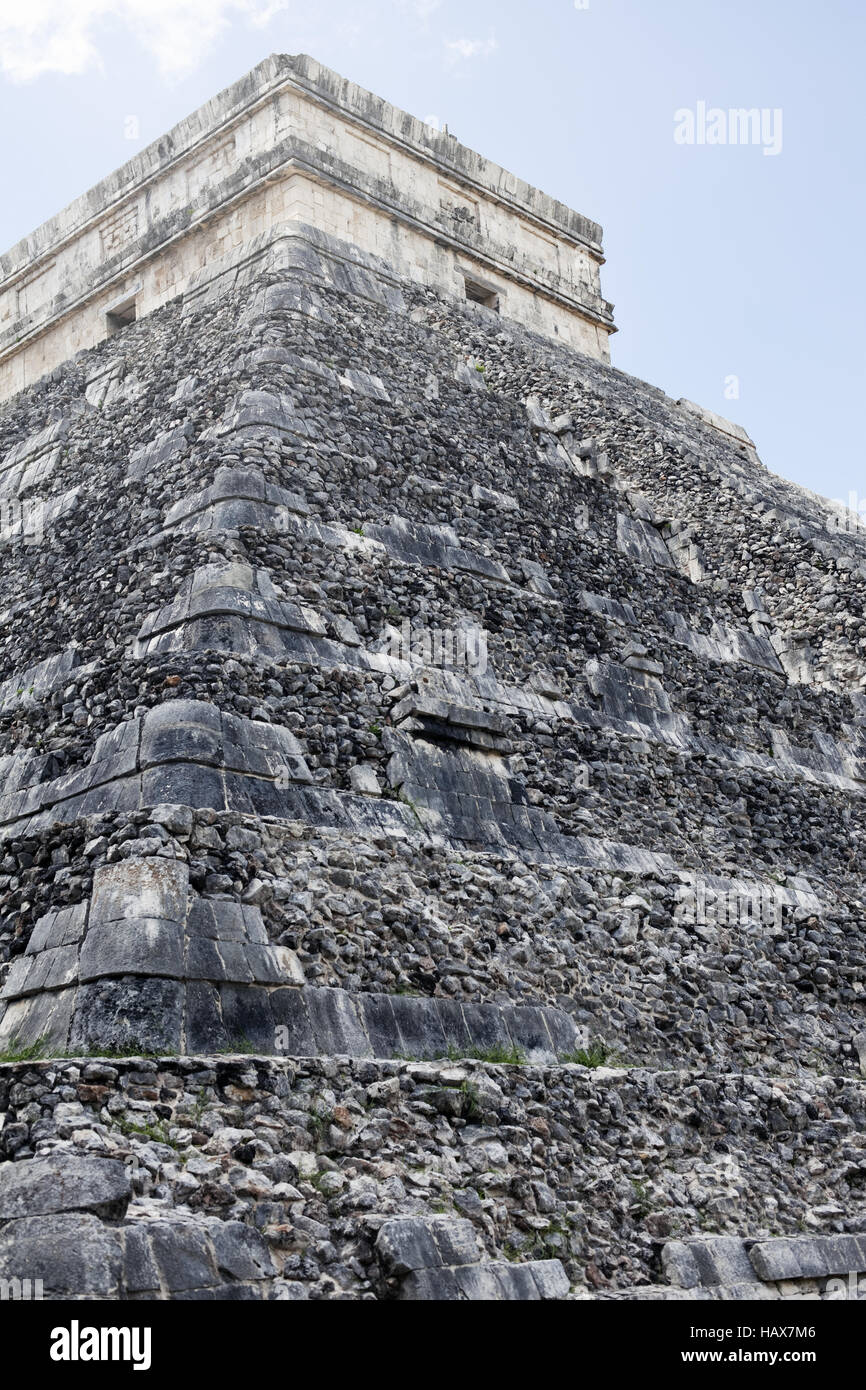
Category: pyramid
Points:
column 431, row 758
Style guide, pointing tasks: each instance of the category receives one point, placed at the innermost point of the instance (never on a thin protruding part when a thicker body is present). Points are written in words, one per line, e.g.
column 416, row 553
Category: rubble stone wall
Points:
column 247, row 805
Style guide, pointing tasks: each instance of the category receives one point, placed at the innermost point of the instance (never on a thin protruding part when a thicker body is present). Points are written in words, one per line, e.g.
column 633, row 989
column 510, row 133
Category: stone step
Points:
column 147, row 965
column 427, row 1259
column 731, row 1269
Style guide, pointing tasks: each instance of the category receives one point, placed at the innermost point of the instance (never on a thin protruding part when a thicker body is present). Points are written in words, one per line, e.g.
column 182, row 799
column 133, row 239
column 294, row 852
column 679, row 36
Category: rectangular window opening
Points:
column 481, row 294
column 121, row 315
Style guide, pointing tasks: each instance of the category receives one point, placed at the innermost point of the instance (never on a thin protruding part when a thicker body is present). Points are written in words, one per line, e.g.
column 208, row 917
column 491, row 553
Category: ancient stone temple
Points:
column 432, row 760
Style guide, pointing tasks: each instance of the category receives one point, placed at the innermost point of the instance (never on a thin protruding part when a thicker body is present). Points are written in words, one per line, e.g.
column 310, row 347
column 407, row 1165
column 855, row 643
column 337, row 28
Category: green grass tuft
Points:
column 18, row 1051
column 598, row 1054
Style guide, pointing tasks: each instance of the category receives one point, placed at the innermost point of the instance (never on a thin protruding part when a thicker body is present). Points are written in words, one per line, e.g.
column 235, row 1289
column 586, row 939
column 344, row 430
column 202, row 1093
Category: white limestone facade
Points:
column 293, row 145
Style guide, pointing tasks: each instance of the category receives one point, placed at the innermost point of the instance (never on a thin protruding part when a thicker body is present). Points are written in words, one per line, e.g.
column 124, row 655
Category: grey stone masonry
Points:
column 432, row 763
column 51, row 1236
column 149, row 965
column 48, row 1185
column 429, row 1259
column 730, row 1269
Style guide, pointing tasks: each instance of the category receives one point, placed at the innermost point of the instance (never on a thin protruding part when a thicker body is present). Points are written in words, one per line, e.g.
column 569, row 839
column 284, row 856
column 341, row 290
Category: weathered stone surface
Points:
column 75, row 1256
column 43, row 1186
column 220, row 1150
column 475, row 961
column 808, row 1257
column 127, row 1015
column 441, row 1259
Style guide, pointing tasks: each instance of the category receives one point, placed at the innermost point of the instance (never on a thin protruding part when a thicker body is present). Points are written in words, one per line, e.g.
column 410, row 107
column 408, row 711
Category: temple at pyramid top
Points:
column 293, row 144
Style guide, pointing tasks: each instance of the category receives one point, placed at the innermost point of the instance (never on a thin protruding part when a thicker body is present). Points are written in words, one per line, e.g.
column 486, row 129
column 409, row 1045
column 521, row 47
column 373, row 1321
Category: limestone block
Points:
column 128, row 1015
column 641, row 542
column 136, row 889
column 74, row 1254
column 159, row 451
column 183, row 1255
column 721, row 1260
column 808, row 1257
column 680, row 1265
column 259, row 410
column 536, row 577
column 240, row 1251
column 364, row 781
column 140, row 1272
column 405, row 1245
column 148, row 946
column 63, row 1182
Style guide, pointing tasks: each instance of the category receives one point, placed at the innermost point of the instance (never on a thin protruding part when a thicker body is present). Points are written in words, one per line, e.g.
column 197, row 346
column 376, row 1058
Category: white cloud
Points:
column 471, row 48
column 41, row 36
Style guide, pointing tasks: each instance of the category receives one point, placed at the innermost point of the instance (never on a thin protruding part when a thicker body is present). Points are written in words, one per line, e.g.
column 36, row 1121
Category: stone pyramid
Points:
column 431, row 758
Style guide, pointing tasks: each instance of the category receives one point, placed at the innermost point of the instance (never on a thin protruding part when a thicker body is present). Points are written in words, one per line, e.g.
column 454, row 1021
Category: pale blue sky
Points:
column 722, row 261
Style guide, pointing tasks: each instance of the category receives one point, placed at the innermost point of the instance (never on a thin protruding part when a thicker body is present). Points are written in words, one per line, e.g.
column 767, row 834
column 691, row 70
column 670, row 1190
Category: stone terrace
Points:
column 239, row 815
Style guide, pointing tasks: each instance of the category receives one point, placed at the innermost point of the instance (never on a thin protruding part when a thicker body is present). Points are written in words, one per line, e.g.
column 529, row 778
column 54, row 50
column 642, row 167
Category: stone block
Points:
column 456, row 1240
column 380, row 1025
column 562, row 1029
column 294, row 1034
column 518, row 1283
column 62, row 928
column 721, row 1260
column 481, row 1283
column 240, row 1251
column 197, row 786
column 74, row 1255
column 805, row 1257
column 528, row 1028
column 453, row 1024
column 407, row 1244
column 487, row 1027
column 41, row 1018
column 739, row 1293
column 128, row 1015
column 419, row 1026
column 140, row 1273
column 247, row 1016
column 139, row 888
column 234, row 965
column 204, row 1029
column 680, row 1265
column 276, row 965
column 183, row 1255
column 63, row 1182
column 134, row 946
column 203, row 960
column 536, row 577
column 364, row 781
column 337, row 1023
column 550, row 1278
column 431, row 1286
